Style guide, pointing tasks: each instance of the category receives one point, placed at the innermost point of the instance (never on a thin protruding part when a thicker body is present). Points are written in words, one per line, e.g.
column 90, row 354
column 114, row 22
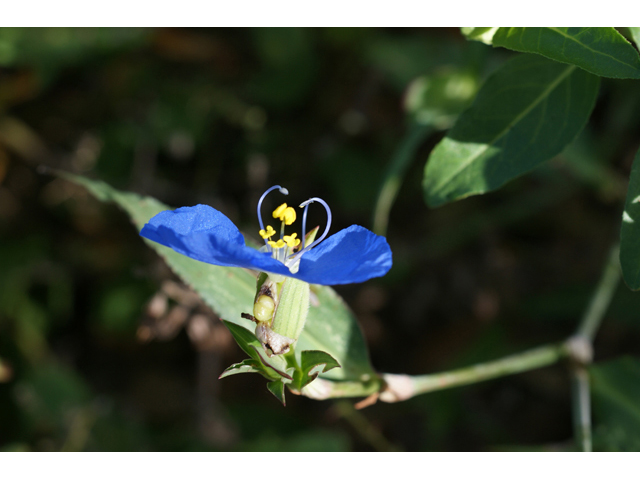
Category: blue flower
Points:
column 352, row 255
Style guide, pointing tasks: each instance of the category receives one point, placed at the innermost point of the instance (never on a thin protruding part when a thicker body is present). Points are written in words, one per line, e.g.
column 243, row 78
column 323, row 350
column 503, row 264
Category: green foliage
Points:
column 294, row 371
column 630, row 230
column 601, row 51
column 273, row 368
column 616, row 390
column 51, row 49
column 525, row 113
column 214, row 116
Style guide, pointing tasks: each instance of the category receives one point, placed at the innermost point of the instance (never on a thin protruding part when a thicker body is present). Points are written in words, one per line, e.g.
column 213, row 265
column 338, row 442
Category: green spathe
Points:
column 292, row 310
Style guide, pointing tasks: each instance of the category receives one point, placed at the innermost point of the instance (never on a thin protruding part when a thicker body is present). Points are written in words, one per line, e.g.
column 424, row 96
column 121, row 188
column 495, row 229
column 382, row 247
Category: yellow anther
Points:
column 285, row 214
column 277, row 213
column 268, row 233
column 278, row 244
column 263, row 308
column 291, row 240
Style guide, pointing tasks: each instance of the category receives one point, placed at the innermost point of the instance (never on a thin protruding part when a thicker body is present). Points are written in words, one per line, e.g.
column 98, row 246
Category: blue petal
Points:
column 352, row 255
column 205, row 234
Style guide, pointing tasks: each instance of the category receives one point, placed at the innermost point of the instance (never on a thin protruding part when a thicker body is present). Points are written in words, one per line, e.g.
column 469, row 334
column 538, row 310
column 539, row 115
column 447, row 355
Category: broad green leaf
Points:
column 599, row 50
column 635, row 34
column 616, row 394
column 330, row 326
column 630, row 230
column 525, row 113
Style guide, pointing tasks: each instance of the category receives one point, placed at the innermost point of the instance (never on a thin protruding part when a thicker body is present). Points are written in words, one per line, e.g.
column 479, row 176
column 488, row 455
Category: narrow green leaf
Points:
column 274, row 367
column 525, row 113
column 277, row 388
column 630, row 230
column 599, row 50
column 616, row 393
column 244, row 338
column 230, row 291
column 246, row 366
column 275, row 363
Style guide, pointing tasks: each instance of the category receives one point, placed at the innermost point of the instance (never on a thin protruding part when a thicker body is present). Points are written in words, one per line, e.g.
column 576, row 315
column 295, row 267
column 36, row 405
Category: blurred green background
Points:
column 102, row 348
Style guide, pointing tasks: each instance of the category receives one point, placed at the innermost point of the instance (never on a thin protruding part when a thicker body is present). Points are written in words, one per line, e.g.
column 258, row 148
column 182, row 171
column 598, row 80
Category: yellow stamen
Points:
column 291, row 240
column 278, row 244
column 285, row 214
column 277, row 213
column 268, row 233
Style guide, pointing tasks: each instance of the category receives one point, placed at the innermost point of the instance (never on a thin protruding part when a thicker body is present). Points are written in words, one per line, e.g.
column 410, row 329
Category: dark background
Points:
column 216, row 116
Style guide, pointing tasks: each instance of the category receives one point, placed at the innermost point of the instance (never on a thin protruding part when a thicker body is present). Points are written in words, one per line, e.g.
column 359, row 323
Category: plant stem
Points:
column 403, row 386
column 581, row 348
column 582, row 408
column 396, row 170
column 602, row 296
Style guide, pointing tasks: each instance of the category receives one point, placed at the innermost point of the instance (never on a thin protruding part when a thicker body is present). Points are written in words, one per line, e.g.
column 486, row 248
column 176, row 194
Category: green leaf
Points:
column 630, row 230
column 273, row 367
column 310, row 359
column 481, row 34
column 600, row 50
column 635, row 34
column 277, row 388
column 246, row 366
column 616, row 394
column 525, row 113
column 230, row 291
column 311, row 363
column 314, row 362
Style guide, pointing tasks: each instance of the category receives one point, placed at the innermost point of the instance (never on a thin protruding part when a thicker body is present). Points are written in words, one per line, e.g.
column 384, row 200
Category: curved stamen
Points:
column 283, row 191
column 304, row 225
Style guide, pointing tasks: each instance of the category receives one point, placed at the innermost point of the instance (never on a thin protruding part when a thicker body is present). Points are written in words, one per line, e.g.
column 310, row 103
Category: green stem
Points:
column 602, row 296
column 582, row 408
column 401, row 387
column 581, row 347
column 395, row 171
